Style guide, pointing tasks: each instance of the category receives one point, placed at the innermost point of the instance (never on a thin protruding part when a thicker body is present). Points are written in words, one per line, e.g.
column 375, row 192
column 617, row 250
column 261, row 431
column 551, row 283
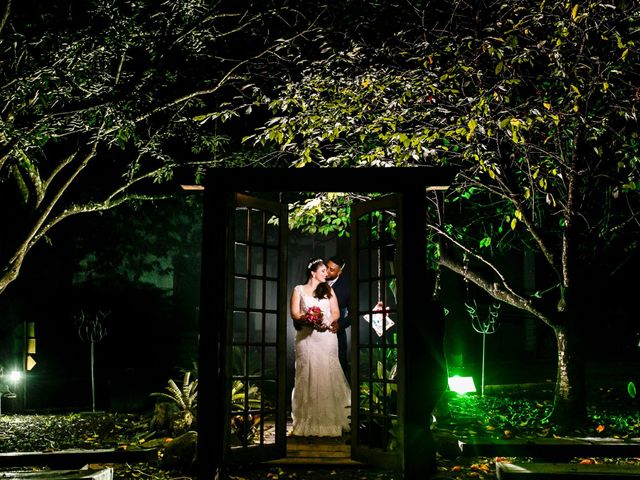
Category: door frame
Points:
column 410, row 183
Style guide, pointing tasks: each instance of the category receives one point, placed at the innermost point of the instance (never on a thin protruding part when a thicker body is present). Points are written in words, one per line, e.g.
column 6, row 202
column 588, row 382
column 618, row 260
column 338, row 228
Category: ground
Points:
column 612, row 414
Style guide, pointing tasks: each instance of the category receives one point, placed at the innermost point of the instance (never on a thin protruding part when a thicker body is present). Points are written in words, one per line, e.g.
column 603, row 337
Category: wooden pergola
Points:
column 420, row 328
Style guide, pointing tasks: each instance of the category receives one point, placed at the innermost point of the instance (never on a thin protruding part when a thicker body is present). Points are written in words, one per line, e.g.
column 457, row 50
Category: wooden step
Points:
column 565, row 471
column 82, row 474
column 76, row 458
column 316, row 454
column 552, row 448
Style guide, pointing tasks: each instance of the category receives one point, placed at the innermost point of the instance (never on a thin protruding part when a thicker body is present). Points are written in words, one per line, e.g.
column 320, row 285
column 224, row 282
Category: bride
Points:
column 321, row 398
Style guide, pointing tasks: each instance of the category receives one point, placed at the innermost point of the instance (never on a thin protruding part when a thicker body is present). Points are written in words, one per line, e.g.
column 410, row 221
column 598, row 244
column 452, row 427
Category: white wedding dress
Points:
column 321, row 398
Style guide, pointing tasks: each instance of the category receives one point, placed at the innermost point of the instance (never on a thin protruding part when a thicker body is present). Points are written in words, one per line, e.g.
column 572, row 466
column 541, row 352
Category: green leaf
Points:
column 631, row 388
column 574, row 12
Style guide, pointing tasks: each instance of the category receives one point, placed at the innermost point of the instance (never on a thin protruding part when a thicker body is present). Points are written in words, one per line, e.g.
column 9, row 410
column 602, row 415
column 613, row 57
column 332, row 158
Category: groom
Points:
column 342, row 290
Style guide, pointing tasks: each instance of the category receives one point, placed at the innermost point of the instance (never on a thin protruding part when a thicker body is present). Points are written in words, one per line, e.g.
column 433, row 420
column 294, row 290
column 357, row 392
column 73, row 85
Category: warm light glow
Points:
column 14, row 376
column 30, row 362
column 461, row 385
column 196, row 188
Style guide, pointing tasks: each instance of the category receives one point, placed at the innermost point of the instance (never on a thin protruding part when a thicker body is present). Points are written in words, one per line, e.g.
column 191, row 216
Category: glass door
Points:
column 255, row 349
column 377, row 432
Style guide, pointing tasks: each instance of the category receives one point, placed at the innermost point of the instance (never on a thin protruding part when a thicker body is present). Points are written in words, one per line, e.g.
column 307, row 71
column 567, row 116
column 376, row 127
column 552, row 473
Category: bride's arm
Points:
column 296, row 314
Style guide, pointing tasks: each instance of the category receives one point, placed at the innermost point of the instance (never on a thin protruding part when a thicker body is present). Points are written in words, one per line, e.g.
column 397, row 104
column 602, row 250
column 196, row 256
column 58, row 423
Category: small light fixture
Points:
column 461, row 385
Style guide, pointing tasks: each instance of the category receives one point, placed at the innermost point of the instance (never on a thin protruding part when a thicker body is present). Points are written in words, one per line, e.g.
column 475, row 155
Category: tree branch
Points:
column 474, row 255
column 494, row 289
column 219, row 84
column 5, row 15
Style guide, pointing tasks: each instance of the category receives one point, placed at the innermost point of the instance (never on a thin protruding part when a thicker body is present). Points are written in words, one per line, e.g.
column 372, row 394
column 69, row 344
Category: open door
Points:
column 376, row 352
column 255, row 337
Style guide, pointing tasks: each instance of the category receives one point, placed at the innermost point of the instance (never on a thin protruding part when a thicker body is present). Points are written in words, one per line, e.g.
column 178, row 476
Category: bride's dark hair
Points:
column 323, row 290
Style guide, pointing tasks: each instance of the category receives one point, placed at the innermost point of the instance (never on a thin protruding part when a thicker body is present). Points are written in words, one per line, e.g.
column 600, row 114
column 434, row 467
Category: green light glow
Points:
column 461, row 385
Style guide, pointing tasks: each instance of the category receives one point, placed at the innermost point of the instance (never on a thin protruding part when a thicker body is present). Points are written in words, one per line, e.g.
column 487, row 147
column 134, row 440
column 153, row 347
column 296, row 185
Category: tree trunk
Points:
column 569, row 406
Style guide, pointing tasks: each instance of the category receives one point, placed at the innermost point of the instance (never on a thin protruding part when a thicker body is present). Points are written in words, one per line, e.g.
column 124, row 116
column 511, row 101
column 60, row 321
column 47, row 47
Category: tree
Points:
column 102, row 102
column 536, row 104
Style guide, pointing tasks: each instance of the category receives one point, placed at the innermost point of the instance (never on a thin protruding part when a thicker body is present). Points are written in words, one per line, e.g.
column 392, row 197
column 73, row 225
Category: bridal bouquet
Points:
column 313, row 317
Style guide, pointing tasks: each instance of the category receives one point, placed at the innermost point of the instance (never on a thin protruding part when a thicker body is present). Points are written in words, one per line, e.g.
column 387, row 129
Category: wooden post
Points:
column 211, row 355
column 421, row 328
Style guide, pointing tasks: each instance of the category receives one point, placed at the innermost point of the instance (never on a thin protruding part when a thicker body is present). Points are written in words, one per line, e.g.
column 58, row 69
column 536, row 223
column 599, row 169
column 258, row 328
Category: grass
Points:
column 610, row 413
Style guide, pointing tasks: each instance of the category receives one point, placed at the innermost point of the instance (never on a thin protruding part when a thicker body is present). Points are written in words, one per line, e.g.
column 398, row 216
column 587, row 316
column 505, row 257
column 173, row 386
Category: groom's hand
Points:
column 335, row 326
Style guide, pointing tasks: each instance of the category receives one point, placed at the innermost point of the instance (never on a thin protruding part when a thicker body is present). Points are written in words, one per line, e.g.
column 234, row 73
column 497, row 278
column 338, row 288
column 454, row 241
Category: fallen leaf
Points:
column 456, row 468
column 480, row 466
column 600, row 428
column 586, row 461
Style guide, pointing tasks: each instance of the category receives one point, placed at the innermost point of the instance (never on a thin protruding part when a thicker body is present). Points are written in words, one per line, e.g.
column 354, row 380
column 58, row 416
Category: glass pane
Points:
column 376, row 226
column 389, row 260
column 363, row 231
column 257, row 226
column 269, row 395
column 374, row 263
column 241, row 220
column 272, row 262
column 272, row 295
column 365, row 397
column 364, row 300
column 254, row 362
column 269, row 422
column 238, row 361
column 391, row 294
column 364, row 363
column 257, row 261
column 255, row 327
column 239, row 327
column 378, row 367
column 391, row 335
column 364, row 272
column 240, row 292
column 241, row 259
column 270, row 362
column 392, row 399
column 270, row 328
column 245, row 429
column 391, row 364
column 377, row 399
column 255, row 394
column 256, row 294
column 273, row 233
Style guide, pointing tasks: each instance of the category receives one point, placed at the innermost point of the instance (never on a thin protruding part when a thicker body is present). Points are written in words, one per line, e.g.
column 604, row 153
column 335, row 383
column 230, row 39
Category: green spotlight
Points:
column 461, row 385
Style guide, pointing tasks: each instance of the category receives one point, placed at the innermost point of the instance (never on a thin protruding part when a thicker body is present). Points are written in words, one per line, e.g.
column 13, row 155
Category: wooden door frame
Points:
column 410, row 183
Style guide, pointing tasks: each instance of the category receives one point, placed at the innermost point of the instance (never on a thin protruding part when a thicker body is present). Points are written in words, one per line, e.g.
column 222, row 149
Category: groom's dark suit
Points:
column 343, row 293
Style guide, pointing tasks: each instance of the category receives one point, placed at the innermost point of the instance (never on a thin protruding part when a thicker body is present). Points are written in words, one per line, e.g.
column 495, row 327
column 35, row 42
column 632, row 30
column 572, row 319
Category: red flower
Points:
column 313, row 317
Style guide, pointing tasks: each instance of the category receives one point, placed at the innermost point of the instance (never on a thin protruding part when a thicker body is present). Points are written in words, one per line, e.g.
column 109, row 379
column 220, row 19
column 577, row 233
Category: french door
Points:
column 376, row 351
column 255, row 343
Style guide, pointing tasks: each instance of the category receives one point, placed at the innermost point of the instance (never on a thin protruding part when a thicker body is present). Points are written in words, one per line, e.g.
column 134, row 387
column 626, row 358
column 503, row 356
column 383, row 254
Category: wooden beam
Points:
column 77, row 458
column 392, row 179
column 550, row 447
